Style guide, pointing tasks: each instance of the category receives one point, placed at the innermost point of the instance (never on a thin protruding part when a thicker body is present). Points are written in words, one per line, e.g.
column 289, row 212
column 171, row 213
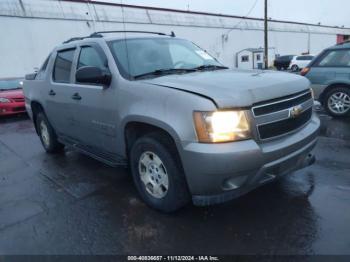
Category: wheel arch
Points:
column 136, row 127
column 36, row 108
column 331, row 86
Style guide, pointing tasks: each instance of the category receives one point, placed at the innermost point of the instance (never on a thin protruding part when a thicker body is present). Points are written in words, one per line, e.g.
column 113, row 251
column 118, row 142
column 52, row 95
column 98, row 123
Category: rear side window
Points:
column 41, row 73
column 284, row 57
column 306, row 57
column 63, row 66
column 336, row 58
column 89, row 56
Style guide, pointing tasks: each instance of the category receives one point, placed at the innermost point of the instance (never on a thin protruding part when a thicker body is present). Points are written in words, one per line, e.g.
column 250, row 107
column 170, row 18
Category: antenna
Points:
column 126, row 44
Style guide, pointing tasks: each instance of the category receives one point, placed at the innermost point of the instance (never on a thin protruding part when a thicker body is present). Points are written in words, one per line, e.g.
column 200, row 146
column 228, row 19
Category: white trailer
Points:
column 253, row 58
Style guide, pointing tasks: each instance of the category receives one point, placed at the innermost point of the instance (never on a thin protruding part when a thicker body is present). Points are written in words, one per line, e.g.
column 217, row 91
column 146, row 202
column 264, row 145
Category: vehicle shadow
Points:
column 274, row 219
column 14, row 118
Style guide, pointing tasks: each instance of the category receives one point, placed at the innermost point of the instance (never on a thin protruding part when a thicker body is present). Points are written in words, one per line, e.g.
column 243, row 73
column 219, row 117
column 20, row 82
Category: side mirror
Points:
column 93, row 75
column 30, row 76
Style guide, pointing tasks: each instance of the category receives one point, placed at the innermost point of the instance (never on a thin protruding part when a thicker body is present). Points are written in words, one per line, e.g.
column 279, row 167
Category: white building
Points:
column 253, row 58
column 29, row 30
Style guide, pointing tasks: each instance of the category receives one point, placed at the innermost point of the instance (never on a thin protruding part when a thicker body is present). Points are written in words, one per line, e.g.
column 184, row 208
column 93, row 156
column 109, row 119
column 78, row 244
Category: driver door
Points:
column 94, row 106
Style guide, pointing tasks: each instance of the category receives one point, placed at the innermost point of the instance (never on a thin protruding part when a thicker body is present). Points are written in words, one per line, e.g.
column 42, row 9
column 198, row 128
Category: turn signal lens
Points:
column 221, row 126
column 312, row 93
column 305, row 71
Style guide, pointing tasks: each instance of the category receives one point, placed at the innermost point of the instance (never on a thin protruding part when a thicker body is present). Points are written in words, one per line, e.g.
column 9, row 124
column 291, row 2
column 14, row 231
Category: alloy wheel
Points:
column 339, row 103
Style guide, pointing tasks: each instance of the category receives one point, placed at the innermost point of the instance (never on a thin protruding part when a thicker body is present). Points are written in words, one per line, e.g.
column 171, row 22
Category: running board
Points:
column 106, row 158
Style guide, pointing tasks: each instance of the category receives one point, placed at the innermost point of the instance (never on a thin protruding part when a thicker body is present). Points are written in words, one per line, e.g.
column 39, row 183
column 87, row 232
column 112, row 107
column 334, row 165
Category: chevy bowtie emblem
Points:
column 295, row 111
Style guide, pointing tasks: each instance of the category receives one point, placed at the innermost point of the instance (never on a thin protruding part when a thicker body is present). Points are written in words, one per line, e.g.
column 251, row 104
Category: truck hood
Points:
column 235, row 88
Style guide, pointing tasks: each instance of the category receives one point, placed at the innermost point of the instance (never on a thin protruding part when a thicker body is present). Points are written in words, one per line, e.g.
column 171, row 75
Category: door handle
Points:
column 52, row 93
column 76, row 96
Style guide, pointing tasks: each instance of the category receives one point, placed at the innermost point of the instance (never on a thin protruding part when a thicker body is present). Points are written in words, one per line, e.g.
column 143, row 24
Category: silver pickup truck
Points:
column 187, row 126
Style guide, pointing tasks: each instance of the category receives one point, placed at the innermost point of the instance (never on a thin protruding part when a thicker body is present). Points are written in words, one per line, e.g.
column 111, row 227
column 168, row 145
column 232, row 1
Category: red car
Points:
column 11, row 97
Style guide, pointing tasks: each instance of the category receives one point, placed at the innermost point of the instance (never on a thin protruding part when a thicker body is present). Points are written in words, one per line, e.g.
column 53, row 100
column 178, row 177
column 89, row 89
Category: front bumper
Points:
column 219, row 172
column 12, row 108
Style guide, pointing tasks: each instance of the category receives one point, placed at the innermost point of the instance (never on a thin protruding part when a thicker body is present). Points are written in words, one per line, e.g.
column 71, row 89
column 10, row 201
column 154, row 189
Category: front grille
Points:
column 280, row 105
column 18, row 99
column 282, row 116
column 284, row 126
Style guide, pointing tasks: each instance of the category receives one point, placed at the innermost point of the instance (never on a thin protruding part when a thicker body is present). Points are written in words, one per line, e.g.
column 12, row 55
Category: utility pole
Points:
column 266, row 45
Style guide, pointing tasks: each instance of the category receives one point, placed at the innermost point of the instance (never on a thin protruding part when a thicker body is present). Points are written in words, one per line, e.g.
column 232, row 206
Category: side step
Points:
column 107, row 158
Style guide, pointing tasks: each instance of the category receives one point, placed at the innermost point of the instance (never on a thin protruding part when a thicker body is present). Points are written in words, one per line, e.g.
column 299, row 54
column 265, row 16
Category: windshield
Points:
column 136, row 57
column 10, row 84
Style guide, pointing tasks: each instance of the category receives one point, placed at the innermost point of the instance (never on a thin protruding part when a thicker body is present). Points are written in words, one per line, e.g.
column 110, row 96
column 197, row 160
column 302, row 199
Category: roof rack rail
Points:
column 99, row 34
column 74, row 39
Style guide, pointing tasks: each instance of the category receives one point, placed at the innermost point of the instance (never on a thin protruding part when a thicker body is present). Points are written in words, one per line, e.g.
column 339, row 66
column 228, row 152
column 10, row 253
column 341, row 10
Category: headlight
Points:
column 221, row 126
column 4, row 100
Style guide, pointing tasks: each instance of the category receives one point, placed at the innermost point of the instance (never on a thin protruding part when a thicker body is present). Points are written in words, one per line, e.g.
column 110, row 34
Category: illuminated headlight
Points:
column 4, row 100
column 221, row 126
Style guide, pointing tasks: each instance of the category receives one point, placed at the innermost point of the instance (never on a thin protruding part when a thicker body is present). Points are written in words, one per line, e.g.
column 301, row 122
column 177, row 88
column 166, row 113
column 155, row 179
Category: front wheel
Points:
column 47, row 134
column 157, row 173
column 337, row 101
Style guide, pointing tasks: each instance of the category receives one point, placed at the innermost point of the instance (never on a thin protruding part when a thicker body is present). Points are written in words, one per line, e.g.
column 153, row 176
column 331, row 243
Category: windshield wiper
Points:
column 209, row 67
column 161, row 72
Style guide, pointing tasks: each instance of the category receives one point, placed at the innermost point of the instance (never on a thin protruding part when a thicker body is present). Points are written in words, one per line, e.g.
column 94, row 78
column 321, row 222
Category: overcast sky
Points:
column 328, row 12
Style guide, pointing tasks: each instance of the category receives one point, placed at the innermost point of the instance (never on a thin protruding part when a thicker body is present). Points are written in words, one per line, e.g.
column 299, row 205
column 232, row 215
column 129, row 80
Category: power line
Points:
column 240, row 21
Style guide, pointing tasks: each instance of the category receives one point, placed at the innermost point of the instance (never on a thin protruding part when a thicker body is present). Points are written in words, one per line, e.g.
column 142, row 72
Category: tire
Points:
column 47, row 134
column 337, row 101
column 170, row 192
column 278, row 68
column 295, row 68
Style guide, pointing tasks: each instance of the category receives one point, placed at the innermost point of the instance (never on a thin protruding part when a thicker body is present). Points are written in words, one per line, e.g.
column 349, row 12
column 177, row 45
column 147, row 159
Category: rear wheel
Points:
column 337, row 101
column 157, row 173
column 47, row 134
column 295, row 68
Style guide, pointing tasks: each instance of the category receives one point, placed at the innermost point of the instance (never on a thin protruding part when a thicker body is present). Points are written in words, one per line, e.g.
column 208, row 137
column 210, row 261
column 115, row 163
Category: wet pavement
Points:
column 72, row 204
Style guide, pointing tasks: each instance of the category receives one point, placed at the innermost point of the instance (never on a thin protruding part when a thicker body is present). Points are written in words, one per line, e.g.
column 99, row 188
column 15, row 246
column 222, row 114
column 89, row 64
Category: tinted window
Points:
column 63, row 66
column 89, row 56
column 285, row 57
column 41, row 74
column 336, row 58
column 306, row 57
column 245, row 58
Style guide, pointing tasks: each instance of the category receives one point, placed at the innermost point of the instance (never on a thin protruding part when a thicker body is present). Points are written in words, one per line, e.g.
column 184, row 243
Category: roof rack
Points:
column 99, row 34
column 74, row 39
